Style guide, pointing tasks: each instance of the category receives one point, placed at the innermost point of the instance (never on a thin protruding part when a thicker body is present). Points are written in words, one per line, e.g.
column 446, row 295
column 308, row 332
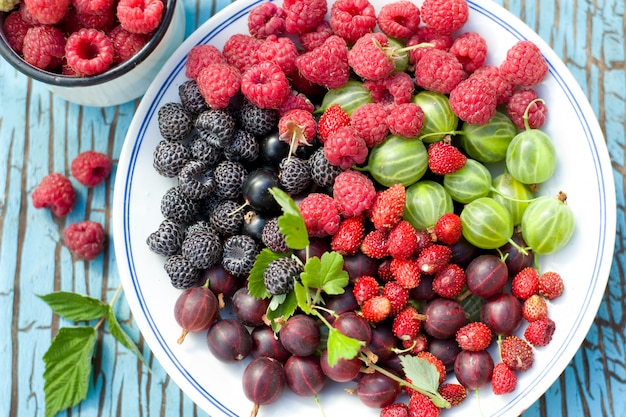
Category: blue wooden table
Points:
column 40, row 133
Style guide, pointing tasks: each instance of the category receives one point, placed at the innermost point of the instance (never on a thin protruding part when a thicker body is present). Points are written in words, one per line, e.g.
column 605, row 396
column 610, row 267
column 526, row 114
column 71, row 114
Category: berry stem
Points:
column 450, row 132
column 525, row 117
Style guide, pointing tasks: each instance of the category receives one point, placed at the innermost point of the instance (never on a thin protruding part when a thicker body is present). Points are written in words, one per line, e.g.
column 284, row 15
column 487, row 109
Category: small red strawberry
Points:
column 416, row 345
column 424, row 240
column 349, row 236
column 375, row 244
column 433, row 258
column 516, row 353
column 395, row 410
column 405, row 272
column 376, row 309
column 407, row 323
column 540, row 332
column 503, row 379
column 445, row 158
column 365, row 288
column 525, row 283
column 332, row 119
column 436, row 362
column 384, row 270
column 550, row 285
column 474, row 336
column 448, row 229
column 534, row 308
column 450, row 281
column 455, row 394
column 402, row 240
column 397, row 294
column 422, row 406
column 388, row 207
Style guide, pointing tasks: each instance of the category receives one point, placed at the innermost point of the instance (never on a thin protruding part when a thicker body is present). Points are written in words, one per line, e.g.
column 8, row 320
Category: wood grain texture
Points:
column 40, row 133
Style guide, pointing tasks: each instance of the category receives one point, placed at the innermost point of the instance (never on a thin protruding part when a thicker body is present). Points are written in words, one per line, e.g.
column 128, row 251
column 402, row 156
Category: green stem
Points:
column 450, row 132
column 118, row 291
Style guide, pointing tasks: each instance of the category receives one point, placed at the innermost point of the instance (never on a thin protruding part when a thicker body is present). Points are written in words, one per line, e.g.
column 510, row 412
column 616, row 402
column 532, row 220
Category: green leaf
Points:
column 284, row 310
column 290, row 223
column 341, row 346
column 302, row 296
column 424, row 377
column 67, row 368
column 120, row 335
column 256, row 284
column 75, row 307
column 326, row 273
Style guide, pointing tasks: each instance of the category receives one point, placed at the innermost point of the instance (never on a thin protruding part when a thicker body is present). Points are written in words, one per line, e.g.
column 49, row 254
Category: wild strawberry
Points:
column 407, row 323
column 436, row 362
column 474, row 336
column 375, row 244
column 422, row 406
column 397, row 294
column 349, row 236
column 450, row 281
column 455, row 394
column 448, row 229
column 445, row 158
column 534, row 308
column 424, row 240
column 433, row 258
column 503, row 379
column 416, row 345
column 388, row 207
column 525, row 283
column 365, row 288
column 384, row 270
column 550, row 285
column 376, row 309
column 297, row 127
column 540, row 332
column 395, row 410
column 405, row 272
column 332, row 119
column 402, row 240
column 516, row 353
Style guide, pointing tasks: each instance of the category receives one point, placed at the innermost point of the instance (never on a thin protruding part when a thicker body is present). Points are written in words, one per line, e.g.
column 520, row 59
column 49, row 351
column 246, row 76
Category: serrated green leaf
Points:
column 302, row 296
column 75, row 307
column 285, row 309
column 67, row 368
column 424, row 377
column 256, row 284
column 120, row 335
column 341, row 346
column 326, row 273
column 290, row 223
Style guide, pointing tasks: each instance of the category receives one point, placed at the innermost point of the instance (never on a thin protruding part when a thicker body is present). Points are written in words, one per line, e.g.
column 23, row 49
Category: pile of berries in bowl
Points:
column 95, row 53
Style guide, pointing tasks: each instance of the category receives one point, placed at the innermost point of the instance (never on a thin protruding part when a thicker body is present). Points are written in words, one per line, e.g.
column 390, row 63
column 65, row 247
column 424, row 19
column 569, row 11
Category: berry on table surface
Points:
column 91, row 168
column 55, row 191
column 84, row 239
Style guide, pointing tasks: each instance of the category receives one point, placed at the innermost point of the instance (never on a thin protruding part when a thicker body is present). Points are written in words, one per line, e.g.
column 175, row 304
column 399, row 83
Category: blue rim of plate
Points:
column 605, row 234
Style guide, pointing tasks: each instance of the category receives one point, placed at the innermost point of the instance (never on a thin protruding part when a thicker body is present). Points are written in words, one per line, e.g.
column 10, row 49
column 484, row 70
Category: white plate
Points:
column 584, row 173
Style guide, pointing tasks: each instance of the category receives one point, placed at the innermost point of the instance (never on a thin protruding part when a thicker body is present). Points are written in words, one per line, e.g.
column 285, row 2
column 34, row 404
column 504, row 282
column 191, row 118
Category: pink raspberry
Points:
column 218, row 83
column 470, row 49
column 302, row 85
column 439, row 71
column 15, row 28
column 297, row 127
column 47, row 12
column 504, row 88
column 295, row 100
column 93, row 6
column 446, row 16
column 201, row 56
column 241, row 51
column 406, row 120
column 102, row 21
column 266, row 19
column 353, row 192
column 352, row 19
column 399, row 20
column 427, row 35
column 140, row 16
column 280, row 50
column 369, row 57
column 91, row 168
column 320, row 215
column 519, row 102
column 27, row 15
column 265, row 85
column 85, row 239
column 326, row 65
column 344, row 148
column 125, row 44
column 303, row 15
column 89, row 52
column 396, row 89
column 44, row 47
column 524, row 65
column 316, row 37
column 474, row 100
column 369, row 121
column 55, row 191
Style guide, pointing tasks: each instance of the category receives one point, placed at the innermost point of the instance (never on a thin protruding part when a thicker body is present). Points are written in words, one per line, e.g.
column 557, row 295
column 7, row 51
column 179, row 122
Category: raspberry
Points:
column 229, row 178
column 91, row 168
column 470, row 49
column 218, row 83
column 182, row 274
column 504, row 89
column 332, row 119
column 256, row 120
column 406, row 120
column 320, row 214
column 297, row 127
column 474, row 100
column 195, row 180
column 397, row 294
column 265, row 85
column 103, row 21
column 241, row 51
column 525, row 283
column 140, row 16
column 540, row 332
column 167, row 239
column 375, row 244
column 430, row 36
column 89, row 52
column 525, row 100
column 503, row 379
column 446, row 16
column 370, row 123
column 516, row 353
column 550, row 285
column 266, row 19
column 55, row 191
column 376, row 309
column 202, row 249
column 402, row 240
column 448, row 228
column 15, row 28
column 47, row 12
column 365, row 288
column 474, row 336
column 368, row 57
column 450, row 281
column 349, row 236
column 201, row 56
column 323, row 173
column 345, row 147
column 169, row 158
column 524, row 65
column 226, row 218
column 281, row 51
column 303, row 15
column 93, row 6
column 455, row 394
column 240, row 252
column 44, row 47
column 434, row 258
column 534, row 308
column 422, row 406
column 395, row 410
column 405, row 272
column 444, row 158
column 438, row 71
column 394, row 90
column 175, row 123
column 295, row 100
column 326, row 65
column 352, row 19
column 125, row 44
column 353, row 193
column 388, row 207
column 176, row 206
column 85, row 239
column 399, row 19
column 294, row 175
column 316, row 37
column 407, row 323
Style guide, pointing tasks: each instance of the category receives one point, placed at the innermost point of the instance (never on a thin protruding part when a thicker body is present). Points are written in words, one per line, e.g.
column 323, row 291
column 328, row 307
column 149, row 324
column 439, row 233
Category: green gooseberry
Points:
column 548, row 224
column 488, row 143
column 486, row 223
column 468, row 183
column 531, row 157
column 398, row 160
column 439, row 119
column 512, row 194
column 426, row 202
column 350, row 97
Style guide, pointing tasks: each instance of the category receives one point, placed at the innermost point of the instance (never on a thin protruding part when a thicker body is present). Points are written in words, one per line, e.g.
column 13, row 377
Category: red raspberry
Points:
column 375, row 244
column 241, row 51
column 369, row 57
column 406, row 120
column 352, row 19
column 406, row 272
column 201, row 56
column 103, row 21
column 89, row 52
column 266, row 19
column 407, row 323
column 345, row 147
column 446, row 16
column 326, row 65
column 450, row 281
column 470, row 49
column 516, row 353
column 55, row 191
column 295, row 100
column 524, row 65
column 448, row 229
column 427, row 35
column 303, row 15
column 455, row 394
column 422, row 406
column 91, row 168
column 27, row 15
column 265, row 85
column 474, row 100
column 402, row 240
column 297, row 127
column 218, row 83
column 504, row 88
column 525, row 283
column 395, row 410
column 445, row 158
column 353, row 192
column 524, row 100
column 365, row 288
column 332, row 119
column 503, row 379
column 47, row 12
column 370, row 123
column 349, row 236
column 540, row 332
column 125, row 44
column 140, row 16
column 551, row 285
column 93, row 6
column 474, row 336
column 15, row 28
column 399, row 20
column 44, row 47
column 434, row 258
column 316, row 37
column 394, row 90
column 397, row 294
column 320, row 215
column 388, row 207
column 281, row 51
column 376, row 309
column 85, row 239
column 438, row 71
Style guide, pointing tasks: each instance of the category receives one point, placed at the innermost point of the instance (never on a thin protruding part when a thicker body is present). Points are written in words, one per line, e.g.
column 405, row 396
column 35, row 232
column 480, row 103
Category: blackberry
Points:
column 191, row 98
column 244, row 147
column 176, row 206
column 167, row 239
column 175, row 123
column 169, row 158
column 202, row 249
column 323, row 173
column 229, row 178
column 240, row 252
column 273, row 238
column 201, row 226
column 208, row 204
column 217, row 126
column 227, row 218
column 196, row 180
column 182, row 273
column 280, row 274
column 294, row 175
column 256, row 120
column 202, row 150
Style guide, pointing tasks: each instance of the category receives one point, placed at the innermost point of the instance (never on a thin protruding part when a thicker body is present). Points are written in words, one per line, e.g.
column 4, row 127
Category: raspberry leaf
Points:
column 290, row 223
column 256, row 285
column 75, row 307
column 424, row 378
column 341, row 346
column 120, row 335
